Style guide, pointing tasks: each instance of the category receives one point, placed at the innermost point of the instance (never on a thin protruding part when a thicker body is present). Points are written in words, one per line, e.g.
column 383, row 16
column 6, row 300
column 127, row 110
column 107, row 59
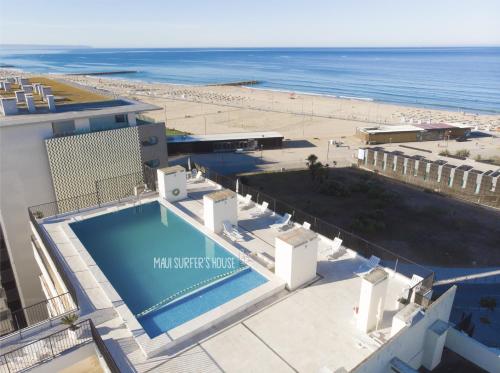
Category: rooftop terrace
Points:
column 302, row 330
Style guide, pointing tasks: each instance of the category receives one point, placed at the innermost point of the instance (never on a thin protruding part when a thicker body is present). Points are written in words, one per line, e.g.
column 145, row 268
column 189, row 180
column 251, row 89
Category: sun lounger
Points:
column 368, row 266
column 247, row 201
column 306, row 225
column 337, row 249
column 261, row 209
column 282, row 222
column 231, row 231
column 198, row 178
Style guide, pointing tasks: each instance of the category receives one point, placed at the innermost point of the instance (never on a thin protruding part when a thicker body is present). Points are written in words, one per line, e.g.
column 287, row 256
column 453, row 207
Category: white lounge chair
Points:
column 282, row 222
column 198, row 178
column 306, row 225
column 337, row 249
column 415, row 280
column 231, row 231
column 261, row 209
column 247, row 201
column 368, row 266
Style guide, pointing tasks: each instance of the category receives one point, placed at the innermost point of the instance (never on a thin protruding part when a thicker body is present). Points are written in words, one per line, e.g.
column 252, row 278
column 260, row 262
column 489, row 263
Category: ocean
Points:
column 457, row 79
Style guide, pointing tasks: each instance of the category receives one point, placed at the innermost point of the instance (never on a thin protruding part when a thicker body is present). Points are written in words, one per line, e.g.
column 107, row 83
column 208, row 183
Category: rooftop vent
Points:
column 51, row 102
column 30, row 103
column 27, row 88
column 20, row 96
column 8, row 106
column 7, row 86
column 45, row 91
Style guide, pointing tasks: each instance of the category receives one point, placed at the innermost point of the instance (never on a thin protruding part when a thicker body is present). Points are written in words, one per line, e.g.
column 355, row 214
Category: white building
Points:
column 354, row 316
column 51, row 154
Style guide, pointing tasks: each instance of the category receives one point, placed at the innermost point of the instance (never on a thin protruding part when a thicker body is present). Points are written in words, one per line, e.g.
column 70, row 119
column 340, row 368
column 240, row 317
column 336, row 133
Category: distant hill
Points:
column 42, row 46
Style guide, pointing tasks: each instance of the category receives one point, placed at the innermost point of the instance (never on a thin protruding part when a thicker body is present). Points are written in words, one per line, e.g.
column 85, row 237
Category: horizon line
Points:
column 81, row 46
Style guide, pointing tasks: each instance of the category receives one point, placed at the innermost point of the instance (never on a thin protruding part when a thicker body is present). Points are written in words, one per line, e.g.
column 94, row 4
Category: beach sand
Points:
column 307, row 120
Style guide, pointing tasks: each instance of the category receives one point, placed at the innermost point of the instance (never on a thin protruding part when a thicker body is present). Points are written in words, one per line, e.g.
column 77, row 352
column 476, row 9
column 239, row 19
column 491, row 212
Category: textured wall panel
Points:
column 77, row 162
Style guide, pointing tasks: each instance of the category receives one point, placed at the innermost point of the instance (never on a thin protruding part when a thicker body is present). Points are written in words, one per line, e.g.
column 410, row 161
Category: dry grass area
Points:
column 425, row 227
column 65, row 93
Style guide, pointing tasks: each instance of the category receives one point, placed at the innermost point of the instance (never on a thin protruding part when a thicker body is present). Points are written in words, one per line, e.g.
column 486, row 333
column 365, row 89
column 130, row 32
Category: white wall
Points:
column 76, row 361
column 24, row 181
column 408, row 344
column 472, row 350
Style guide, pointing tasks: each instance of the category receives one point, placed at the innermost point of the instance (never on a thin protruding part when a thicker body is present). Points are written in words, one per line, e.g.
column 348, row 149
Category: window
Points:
column 153, row 163
column 120, row 118
column 63, row 128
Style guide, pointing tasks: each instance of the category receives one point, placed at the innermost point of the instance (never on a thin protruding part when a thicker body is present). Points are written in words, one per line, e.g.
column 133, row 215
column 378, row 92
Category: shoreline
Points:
column 128, row 80
column 301, row 106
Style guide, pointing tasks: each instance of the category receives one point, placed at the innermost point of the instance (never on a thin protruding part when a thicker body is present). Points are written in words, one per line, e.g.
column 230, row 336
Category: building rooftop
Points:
column 71, row 102
column 303, row 330
column 172, row 169
column 412, row 127
column 297, row 237
column 221, row 195
column 376, row 275
column 224, row 137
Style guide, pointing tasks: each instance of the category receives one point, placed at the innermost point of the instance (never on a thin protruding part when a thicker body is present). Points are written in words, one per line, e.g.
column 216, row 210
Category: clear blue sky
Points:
column 250, row 23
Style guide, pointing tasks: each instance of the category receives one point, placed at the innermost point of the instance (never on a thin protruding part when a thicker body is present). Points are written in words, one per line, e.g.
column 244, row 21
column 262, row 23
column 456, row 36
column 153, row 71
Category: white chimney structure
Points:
column 45, row 91
column 218, row 207
column 172, row 183
column 296, row 257
column 405, row 317
column 51, row 102
column 30, row 103
column 435, row 339
column 27, row 88
column 372, row 299
column 8, row 106
column 20, row 96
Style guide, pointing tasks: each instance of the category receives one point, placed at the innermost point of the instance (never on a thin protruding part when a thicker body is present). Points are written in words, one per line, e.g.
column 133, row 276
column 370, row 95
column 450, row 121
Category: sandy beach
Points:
column 307, row 120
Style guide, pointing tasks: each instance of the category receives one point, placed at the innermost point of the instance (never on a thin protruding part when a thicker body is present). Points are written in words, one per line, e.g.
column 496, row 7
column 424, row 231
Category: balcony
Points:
column 60, row 344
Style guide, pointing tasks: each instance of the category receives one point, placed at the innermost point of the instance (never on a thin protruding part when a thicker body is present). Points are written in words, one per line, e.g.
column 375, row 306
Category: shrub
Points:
column 488, row 302
column 463, row 153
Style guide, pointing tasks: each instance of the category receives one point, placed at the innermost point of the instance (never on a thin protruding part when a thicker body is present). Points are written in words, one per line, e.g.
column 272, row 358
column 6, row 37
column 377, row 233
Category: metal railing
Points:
column 351, row 240
column 53, row 256
column 38, row 313
column 54, row 345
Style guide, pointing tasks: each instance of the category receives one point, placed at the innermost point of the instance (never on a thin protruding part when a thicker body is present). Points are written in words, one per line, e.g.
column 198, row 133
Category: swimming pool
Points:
column 165, row 270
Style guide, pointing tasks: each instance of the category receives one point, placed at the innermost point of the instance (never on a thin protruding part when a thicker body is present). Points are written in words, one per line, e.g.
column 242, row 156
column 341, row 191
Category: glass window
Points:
column 120, row 118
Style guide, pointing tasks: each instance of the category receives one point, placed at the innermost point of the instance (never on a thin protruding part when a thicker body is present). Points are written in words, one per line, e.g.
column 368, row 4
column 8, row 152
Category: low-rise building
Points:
column 414, row 132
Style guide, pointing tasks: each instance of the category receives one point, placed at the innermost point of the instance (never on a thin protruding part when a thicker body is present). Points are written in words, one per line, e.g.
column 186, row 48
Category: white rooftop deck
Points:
column 303, row 330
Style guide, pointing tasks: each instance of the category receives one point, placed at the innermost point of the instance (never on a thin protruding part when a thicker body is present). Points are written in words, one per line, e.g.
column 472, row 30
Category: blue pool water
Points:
column 167, row 271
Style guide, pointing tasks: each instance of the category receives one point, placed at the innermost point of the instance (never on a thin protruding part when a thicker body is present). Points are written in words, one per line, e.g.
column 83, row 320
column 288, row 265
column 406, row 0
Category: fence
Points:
column 365, row 248
column 54, row 345
column 39, row 313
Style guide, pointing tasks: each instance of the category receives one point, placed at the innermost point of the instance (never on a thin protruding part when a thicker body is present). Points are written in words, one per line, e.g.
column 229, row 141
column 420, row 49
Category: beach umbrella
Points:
column 237, row 185
column 189, row 163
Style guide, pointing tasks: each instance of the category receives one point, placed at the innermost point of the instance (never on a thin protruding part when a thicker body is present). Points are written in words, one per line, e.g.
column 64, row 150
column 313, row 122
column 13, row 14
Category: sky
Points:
column 251, row 23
